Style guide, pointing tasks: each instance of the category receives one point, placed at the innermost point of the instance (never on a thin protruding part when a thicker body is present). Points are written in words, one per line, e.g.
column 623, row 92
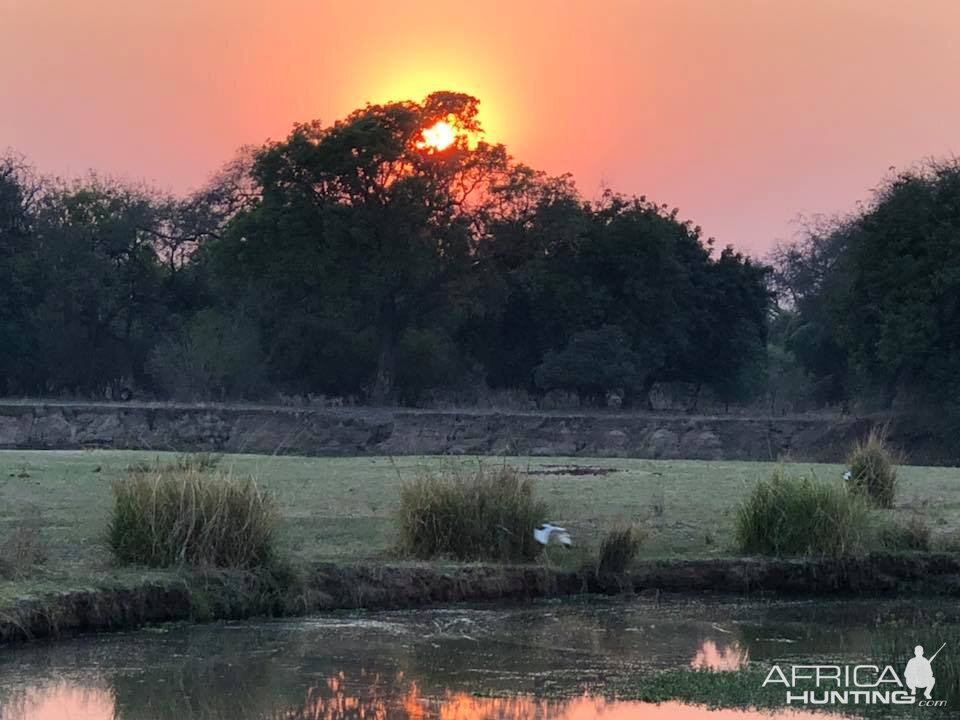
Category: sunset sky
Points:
column 744, row 113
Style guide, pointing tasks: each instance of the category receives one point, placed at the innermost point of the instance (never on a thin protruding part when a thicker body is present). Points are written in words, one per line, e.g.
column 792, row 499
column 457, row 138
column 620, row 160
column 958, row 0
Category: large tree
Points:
column 99, row 302
column 566, row 268
column 898, row 312
column 363, row 227
column 875, row 294
column 806, row 275
column 17, row 192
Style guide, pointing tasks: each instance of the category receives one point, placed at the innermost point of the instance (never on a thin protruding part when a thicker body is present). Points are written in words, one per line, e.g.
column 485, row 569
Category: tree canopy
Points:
column 361, row 258
column 874, row 296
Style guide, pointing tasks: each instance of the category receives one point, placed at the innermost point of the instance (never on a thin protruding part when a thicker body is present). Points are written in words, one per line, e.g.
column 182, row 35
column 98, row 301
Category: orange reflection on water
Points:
column 382, row 699
column 57, row 702
column 409, row 704
column 710, row 657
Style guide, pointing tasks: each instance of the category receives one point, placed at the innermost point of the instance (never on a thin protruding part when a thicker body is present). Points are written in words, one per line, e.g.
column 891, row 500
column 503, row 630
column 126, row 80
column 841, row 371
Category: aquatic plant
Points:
column 873, row 471
column 189, row 516
column 791, row 515
column 479, row 515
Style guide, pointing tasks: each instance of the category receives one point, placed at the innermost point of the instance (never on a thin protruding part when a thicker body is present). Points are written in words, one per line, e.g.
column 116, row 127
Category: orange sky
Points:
column 743, row 113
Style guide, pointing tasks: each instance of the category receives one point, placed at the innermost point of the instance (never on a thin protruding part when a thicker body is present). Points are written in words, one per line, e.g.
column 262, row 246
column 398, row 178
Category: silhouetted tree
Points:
column 361, row 231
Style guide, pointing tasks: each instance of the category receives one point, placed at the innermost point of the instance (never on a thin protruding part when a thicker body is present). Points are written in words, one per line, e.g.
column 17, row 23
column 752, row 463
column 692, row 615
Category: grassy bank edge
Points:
column 233, row 595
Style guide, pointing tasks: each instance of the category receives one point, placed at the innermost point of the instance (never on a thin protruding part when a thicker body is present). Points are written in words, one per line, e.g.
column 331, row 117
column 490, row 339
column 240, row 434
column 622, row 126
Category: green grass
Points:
column 345, row 508
column 186, row 515
column 483, row 514
column 797, row 515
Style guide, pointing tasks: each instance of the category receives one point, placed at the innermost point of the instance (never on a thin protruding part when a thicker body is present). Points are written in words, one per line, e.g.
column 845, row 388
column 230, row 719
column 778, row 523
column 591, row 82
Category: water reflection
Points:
column 330, row 700
column 710, row 657
column 433, row 664
column 59, row 702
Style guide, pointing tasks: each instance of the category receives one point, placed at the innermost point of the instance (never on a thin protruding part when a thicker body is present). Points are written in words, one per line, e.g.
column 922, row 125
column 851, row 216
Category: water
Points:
column 545, row 660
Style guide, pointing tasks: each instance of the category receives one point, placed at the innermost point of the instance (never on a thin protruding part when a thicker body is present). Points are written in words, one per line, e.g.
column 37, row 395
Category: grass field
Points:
column 342, row 508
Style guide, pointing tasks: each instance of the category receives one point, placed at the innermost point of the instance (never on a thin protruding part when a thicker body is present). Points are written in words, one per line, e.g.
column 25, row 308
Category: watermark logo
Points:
column 919, row 672
column 859, row 684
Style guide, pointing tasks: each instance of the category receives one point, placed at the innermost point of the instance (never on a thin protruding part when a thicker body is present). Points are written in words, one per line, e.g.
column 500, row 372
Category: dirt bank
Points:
column 364, row 431
column 372, row 586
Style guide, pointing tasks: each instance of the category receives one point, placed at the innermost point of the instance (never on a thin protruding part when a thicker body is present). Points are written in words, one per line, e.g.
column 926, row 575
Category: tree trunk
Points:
column 696, row 398
column 648, row 382
column 383, row 385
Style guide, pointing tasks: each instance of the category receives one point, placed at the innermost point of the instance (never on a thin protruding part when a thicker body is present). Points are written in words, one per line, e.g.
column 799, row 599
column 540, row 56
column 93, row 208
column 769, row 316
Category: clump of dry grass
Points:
column 22, row 551
column 914, row 534
column 185, row 515
column 481, row 515
column 619, row 548
column 873, row 471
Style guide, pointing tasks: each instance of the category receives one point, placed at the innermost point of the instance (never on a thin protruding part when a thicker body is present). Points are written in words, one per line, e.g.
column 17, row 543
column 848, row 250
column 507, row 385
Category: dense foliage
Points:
column 873, row 298
column 350, row 260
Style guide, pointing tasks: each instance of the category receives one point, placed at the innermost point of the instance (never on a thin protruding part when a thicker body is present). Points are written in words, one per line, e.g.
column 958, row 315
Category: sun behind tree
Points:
column 438, row 137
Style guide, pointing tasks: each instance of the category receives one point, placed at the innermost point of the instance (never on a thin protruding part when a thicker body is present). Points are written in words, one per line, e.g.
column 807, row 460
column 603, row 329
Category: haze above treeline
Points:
column 743, row 114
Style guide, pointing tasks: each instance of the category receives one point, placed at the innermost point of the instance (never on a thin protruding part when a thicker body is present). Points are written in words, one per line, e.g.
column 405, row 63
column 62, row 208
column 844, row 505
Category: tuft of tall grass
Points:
column 479, row 515
column 873, row 470
column 22, row 551
column 790, row 515
column 619, row 548
column 914, row 534
column 175, row 516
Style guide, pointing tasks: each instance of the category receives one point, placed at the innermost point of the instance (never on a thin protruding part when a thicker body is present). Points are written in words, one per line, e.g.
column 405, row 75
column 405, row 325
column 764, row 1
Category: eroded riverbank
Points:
column 331, row 587
column 404, row 431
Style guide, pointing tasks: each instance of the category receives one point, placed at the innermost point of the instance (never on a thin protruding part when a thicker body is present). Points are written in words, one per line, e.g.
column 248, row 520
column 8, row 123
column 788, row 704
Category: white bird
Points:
column 547, row 531
column 847, row 475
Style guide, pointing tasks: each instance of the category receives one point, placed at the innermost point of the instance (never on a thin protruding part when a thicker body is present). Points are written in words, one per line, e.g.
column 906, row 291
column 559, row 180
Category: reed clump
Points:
column 486, row 514
column 873, row 469
column 794, row 515
column 187, row 515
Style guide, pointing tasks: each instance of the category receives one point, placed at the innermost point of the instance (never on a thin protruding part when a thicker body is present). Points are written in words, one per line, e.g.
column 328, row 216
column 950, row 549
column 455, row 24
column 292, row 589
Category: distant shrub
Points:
column 483, row 515
column 911, row 535
column 789, row 515
column 186, row 516
column 215, row 357
column 619, row 548
column 593, row 362
column 873, row 472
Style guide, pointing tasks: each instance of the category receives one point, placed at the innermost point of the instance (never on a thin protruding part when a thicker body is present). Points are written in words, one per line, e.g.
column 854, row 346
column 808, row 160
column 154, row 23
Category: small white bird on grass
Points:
column 548, row 532
column 848, row 474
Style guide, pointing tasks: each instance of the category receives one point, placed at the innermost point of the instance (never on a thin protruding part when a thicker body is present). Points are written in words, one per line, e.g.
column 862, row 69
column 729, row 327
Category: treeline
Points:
column 352, row 259
column 870, row 302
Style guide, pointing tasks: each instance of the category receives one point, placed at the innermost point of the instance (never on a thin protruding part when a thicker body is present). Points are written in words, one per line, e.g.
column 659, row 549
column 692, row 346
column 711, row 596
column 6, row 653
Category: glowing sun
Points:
column 439, row 136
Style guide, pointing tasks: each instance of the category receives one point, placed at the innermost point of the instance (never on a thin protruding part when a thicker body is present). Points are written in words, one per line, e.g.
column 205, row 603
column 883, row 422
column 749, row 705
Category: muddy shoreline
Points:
column 328, row 587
